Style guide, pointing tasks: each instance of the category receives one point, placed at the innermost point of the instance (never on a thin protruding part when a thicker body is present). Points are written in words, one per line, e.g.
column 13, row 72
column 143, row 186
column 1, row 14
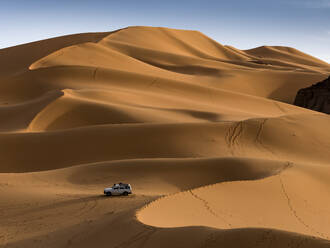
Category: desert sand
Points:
column 206, row 134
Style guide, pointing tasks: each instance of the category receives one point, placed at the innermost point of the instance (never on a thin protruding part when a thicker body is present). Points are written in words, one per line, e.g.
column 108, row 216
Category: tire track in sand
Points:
column 293, row 210
column 208, row 208
column 233, row 134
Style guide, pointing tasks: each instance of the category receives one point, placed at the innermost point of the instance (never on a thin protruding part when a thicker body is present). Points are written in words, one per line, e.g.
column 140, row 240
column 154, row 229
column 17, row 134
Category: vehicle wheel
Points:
column 125, row 193
column 108, row 194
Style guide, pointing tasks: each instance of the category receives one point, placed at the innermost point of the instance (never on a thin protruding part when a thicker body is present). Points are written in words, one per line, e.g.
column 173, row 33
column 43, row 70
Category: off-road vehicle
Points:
column 118, row 189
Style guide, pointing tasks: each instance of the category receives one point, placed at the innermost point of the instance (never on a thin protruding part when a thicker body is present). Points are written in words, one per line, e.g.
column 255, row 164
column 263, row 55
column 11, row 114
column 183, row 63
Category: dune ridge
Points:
column 206, row 134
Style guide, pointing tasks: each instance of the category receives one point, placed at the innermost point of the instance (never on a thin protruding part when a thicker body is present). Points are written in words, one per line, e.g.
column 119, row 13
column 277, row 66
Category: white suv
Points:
column 118, row 189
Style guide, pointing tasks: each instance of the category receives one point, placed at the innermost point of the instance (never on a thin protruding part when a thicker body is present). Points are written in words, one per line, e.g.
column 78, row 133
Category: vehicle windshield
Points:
column 121, row 186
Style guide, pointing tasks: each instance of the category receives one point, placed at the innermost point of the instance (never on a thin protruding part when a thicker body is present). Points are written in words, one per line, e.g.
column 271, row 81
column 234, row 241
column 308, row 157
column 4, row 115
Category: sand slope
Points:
column 205, row 133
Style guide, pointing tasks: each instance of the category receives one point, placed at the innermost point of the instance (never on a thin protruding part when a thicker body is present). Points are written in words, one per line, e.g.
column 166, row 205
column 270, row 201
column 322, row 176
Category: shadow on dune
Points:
column 185, row 174
column 85, row 113
column 186, row 69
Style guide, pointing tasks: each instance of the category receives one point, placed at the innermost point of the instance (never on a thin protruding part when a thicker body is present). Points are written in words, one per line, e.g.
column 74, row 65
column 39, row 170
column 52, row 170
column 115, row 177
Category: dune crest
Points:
column 206, row 133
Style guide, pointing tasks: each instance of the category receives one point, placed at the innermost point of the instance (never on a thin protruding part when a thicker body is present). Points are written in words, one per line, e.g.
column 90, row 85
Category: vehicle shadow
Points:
column 120, row 196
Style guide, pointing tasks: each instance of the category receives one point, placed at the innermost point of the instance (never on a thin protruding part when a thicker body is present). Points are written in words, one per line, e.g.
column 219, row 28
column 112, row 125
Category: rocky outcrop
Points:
column 315, row 97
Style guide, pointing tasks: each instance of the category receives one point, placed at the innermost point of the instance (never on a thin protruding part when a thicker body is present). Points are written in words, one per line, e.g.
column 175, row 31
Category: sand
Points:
column 206, row 134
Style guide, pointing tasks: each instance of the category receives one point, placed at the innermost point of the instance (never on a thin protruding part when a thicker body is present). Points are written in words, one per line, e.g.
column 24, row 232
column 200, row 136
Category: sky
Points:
column 244, row 24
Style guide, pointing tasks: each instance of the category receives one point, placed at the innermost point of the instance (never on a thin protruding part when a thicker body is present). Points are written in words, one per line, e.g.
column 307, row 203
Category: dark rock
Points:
column 315, row 97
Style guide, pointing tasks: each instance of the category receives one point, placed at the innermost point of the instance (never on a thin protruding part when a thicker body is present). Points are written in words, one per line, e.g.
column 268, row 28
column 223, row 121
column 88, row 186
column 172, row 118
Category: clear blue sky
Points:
column 303, row 24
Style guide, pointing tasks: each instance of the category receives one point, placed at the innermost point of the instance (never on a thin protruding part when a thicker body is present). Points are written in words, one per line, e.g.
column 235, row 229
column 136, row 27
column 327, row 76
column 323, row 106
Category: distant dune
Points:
column 207, row 135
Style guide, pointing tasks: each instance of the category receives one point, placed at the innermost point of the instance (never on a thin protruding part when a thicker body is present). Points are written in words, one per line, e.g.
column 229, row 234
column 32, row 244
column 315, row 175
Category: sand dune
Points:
column 206, row 134
column 275, row 202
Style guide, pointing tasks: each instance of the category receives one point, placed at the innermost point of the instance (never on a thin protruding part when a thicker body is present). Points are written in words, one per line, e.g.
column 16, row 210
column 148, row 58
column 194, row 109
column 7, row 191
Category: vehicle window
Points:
column 122, row 188
column 126, row 187
column 116, row 188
